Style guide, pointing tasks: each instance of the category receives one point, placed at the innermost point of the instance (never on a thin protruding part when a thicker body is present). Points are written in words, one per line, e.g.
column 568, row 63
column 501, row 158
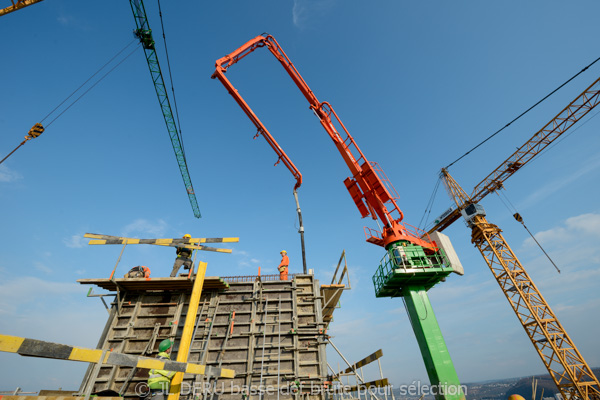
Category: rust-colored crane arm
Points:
column 370, row 189
column 222, row 65
column 564, row 120
column 17, row 6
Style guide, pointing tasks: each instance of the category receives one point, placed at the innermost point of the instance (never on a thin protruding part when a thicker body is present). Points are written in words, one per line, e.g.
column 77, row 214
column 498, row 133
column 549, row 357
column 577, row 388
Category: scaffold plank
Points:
column 179, row 283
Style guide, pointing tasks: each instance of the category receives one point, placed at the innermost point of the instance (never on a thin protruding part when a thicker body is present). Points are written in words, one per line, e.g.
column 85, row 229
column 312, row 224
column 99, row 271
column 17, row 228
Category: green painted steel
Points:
column 442, row 375
column 408, row 264
column 144, row 33
column 408, row 271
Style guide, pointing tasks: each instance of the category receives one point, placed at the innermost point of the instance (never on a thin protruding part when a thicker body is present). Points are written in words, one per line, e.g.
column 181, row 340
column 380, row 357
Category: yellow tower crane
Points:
column 567, row 367
column 17, row 5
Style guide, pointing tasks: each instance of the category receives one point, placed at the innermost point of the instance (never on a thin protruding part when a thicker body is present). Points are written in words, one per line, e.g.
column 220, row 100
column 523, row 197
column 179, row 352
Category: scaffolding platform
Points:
column 178, row 283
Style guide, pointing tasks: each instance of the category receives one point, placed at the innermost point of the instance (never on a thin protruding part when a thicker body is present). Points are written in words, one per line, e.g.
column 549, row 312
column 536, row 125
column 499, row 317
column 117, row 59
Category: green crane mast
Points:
column 144, row 33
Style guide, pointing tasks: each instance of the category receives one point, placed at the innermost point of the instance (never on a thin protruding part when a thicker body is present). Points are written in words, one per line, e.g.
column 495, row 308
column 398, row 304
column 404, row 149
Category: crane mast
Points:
column 144, row 33
column 413, row 262
column 567, row 367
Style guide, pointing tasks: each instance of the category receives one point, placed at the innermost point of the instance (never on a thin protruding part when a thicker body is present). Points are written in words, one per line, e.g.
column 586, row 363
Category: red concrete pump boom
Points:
column 369, row 187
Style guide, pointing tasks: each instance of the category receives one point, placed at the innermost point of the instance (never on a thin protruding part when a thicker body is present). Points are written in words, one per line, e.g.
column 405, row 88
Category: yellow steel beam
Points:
column 567, row 367
column 178, row 241
column 17, row 6
column 197, row 247
column 367, row 360
column 191, row 243
column 188, row 329
column 39, row 348
column 575, row 111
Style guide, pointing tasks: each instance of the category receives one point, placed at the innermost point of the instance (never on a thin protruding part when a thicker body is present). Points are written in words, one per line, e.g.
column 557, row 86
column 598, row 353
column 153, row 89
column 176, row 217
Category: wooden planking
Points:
column 179, row 283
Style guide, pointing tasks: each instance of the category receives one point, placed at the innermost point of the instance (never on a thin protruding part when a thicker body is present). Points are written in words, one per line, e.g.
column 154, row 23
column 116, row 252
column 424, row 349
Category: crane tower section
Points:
column 565, row 119
column 567, row 367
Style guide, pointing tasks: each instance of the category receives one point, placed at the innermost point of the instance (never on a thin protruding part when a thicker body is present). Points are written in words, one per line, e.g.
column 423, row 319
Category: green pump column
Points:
column 407, row 271
column 440, row 369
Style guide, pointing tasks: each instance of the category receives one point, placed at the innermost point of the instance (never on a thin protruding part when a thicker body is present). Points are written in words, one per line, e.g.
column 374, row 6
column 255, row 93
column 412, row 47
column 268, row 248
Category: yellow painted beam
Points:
column 17, row 6
column 40, row 348
column 365, row 361
column 188, row 330
column 108, row 239
column 192, row 247
column 188, row 243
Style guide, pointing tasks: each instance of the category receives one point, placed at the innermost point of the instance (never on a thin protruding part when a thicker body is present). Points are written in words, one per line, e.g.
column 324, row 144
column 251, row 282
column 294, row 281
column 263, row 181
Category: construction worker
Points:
column 141, row 271
column 283, row 266
column 159, row 380
column 184, row 257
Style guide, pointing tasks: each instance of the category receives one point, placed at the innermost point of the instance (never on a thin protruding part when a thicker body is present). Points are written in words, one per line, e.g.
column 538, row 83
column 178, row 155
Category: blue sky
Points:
column 416, row 83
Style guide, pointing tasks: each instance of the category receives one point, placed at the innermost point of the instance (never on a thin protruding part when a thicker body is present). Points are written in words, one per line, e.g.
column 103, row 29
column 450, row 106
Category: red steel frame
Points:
column 368, row 185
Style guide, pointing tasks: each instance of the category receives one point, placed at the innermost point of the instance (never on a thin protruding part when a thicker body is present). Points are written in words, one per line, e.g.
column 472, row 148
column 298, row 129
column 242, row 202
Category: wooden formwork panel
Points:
column 270, row 333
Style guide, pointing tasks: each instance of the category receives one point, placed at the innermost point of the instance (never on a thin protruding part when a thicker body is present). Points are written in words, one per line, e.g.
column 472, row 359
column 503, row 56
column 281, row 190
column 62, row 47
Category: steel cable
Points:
column 91, row 87
column 90, row 78
column 523, row 113
column 179, row 133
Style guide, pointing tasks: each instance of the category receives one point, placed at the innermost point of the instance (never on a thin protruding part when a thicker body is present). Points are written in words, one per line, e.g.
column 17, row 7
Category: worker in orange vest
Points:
column 140, row 271
column 283, row 266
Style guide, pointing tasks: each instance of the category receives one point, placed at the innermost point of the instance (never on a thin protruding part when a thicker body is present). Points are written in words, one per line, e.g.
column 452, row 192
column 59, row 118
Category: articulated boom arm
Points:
column 370, row 189
column 565, row 119
column 222, row 65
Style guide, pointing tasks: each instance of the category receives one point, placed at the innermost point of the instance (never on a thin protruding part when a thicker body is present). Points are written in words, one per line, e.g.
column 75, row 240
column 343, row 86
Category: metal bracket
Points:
column 91, row 294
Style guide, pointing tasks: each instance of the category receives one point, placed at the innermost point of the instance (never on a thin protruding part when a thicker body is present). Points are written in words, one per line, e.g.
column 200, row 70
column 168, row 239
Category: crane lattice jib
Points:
column 565, row 119
column 567, row 367
column 144, row 33
column 570, row 372
column 368, row 186
column 17, row 6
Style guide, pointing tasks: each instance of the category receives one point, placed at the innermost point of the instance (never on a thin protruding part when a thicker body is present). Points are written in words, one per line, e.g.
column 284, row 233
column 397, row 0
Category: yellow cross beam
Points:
column 365, row 361
column 38, row 348
column 190, row 243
